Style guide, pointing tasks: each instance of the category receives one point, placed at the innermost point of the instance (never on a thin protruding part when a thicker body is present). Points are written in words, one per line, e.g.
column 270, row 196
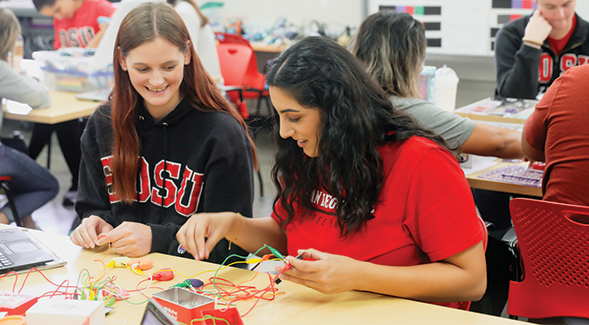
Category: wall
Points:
column 264, row 12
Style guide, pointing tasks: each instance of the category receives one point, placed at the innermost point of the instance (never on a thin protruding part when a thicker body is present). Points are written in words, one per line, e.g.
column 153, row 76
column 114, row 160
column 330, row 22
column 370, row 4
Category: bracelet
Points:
column 239, row 233
column 533, row 41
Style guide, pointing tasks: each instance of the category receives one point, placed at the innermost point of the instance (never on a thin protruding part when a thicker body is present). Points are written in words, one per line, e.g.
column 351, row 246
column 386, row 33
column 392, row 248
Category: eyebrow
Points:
column 290, row 110
column 165, row 63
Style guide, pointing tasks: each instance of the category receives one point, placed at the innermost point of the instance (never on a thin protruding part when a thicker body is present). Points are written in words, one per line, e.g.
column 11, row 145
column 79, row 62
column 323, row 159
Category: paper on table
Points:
column 481, row 163
column 17, row 108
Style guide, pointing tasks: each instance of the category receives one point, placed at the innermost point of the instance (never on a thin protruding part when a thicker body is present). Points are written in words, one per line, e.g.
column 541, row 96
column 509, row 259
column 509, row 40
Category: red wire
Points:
column 35, row 269
column 15, row 279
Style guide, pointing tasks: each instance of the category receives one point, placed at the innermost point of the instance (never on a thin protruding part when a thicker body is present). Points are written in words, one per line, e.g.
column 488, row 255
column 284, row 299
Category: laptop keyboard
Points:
column 4, row 261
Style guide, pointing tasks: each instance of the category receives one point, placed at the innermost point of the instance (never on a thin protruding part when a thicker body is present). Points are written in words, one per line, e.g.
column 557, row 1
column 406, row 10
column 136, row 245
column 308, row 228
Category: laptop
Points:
column 19, row 250
column 99, row 95
column 155, row 314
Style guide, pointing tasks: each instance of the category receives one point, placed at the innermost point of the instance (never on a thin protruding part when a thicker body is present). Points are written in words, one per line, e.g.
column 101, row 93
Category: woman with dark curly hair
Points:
column 370, row 199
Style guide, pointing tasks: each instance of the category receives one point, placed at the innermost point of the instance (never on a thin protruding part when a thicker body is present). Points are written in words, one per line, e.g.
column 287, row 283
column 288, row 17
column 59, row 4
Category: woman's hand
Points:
column 203, row 231
column 130, row 239
column 86, row 235
column 328, row 273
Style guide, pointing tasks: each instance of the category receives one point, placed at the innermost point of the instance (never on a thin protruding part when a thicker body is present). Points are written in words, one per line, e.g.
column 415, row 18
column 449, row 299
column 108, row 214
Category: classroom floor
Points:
column 55, row 218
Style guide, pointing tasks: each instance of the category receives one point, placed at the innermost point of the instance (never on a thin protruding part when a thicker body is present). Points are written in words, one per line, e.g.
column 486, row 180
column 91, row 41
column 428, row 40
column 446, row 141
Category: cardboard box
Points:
column 66, row 312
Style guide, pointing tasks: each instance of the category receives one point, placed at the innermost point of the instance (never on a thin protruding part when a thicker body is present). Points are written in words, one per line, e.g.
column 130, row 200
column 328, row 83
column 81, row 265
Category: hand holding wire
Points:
column 131, row 239
column 87, row 233
column 327, row 273
column 201, row 232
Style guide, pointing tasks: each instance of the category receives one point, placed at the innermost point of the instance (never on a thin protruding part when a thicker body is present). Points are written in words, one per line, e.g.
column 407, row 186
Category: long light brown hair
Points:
column 392, row 46
column 9, row 31
column 142, row 25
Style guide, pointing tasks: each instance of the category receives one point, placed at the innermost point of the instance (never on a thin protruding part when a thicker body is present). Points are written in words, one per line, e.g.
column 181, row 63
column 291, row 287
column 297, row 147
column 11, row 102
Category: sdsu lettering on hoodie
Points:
column 190, row 162
column 525, row 72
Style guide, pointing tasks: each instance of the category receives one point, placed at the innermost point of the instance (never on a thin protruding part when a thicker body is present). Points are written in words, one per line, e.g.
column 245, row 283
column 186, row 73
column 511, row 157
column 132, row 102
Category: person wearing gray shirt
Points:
column 32, row 185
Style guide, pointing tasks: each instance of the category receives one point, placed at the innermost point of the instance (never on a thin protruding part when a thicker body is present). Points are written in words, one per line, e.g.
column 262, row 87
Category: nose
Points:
column 560, row 13
column 156, row 78
column 285, row 130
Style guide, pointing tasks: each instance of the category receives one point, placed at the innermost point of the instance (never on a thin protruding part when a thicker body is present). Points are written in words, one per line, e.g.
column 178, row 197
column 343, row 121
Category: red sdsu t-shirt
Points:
column 425, row 212
column 80, row 29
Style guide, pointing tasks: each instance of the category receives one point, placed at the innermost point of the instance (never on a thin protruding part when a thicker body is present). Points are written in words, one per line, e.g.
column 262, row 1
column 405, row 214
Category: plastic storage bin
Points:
column 426, row 83
column 70, row 69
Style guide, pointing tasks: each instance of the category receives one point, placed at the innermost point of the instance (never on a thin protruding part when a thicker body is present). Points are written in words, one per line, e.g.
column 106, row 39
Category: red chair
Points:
column 554, row 246
column 6, row 189
column 231, row 38
column 241, row 76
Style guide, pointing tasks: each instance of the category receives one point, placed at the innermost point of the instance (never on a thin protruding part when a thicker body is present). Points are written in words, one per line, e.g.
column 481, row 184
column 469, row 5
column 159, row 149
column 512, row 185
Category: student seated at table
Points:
column 392, row 46
column 557, row 134
column 32, row 185
column 167, row 145
column 532, row 51
column 362, row 190
column 76, row 25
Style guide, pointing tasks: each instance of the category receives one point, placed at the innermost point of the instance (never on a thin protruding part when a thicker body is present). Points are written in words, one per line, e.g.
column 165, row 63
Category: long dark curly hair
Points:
column 357, row 117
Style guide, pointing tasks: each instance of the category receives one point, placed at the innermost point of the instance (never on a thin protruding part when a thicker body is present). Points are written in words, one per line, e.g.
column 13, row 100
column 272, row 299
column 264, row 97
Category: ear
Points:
column 188, row 55
column 122, row 62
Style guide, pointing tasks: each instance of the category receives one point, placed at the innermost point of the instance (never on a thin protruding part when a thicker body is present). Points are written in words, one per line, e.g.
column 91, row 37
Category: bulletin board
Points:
column 463, row 27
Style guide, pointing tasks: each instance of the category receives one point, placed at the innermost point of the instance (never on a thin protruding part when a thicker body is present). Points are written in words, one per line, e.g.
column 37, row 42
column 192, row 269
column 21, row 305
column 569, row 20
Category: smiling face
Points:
column 61, row 9
column 156, row 70
column 558, row 13
column 300, row 123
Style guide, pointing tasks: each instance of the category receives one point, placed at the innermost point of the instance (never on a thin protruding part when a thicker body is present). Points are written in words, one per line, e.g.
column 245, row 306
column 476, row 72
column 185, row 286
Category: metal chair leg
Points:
column 8, row 193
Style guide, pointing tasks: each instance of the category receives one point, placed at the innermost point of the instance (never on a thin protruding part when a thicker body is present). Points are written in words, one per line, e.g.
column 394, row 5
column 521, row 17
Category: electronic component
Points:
column 286, row 267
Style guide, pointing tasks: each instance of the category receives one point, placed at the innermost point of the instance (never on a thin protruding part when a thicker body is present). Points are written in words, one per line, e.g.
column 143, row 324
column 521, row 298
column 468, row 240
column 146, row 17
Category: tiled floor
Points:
column 54, row 217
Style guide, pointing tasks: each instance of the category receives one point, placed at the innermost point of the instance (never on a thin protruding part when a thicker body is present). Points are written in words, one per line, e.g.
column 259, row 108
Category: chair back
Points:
column 234, row 60
column 554, row 246
column 231, row 38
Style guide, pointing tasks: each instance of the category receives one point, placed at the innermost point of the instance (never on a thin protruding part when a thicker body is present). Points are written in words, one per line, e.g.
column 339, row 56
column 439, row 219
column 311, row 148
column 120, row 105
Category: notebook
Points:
column 19, row 251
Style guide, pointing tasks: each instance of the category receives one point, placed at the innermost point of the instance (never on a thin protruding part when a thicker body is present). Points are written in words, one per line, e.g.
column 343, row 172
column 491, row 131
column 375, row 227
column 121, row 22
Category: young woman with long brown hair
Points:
column 165, row 146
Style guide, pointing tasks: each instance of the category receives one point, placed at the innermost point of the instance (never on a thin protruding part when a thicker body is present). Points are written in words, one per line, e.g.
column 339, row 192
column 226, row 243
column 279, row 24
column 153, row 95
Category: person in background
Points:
column 532, row 51
column 392, row 47
column 201, row 34
column 557, row 134
column 76, row 25
column 361, row 190
column 32, row 185
column 167, row 144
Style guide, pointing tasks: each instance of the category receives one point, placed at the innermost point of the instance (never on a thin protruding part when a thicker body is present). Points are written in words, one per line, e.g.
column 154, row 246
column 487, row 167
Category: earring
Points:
column 186, row 63
column 124, row 68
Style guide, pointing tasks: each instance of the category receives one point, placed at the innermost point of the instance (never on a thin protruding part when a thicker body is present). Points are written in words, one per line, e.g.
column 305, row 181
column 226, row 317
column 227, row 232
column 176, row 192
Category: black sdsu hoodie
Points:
column 523, row 71
column 203, row 158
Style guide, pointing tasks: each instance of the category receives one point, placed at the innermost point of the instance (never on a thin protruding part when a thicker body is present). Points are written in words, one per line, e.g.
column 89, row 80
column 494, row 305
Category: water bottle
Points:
column 446, row 82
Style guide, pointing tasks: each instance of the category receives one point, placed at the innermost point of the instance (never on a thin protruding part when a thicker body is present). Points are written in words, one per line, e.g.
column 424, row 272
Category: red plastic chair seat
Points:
column 555, row 254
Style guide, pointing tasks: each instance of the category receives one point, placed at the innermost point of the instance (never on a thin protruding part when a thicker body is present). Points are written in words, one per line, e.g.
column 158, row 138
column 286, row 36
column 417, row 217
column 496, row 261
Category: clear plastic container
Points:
column 70, row 69
column 426, row 83
column 446, row 82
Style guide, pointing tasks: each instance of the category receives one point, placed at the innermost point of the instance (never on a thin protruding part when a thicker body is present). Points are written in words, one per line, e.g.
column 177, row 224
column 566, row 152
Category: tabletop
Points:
column 298, row 304
column 488, row 184
column 507, row 111
column 64, row 107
